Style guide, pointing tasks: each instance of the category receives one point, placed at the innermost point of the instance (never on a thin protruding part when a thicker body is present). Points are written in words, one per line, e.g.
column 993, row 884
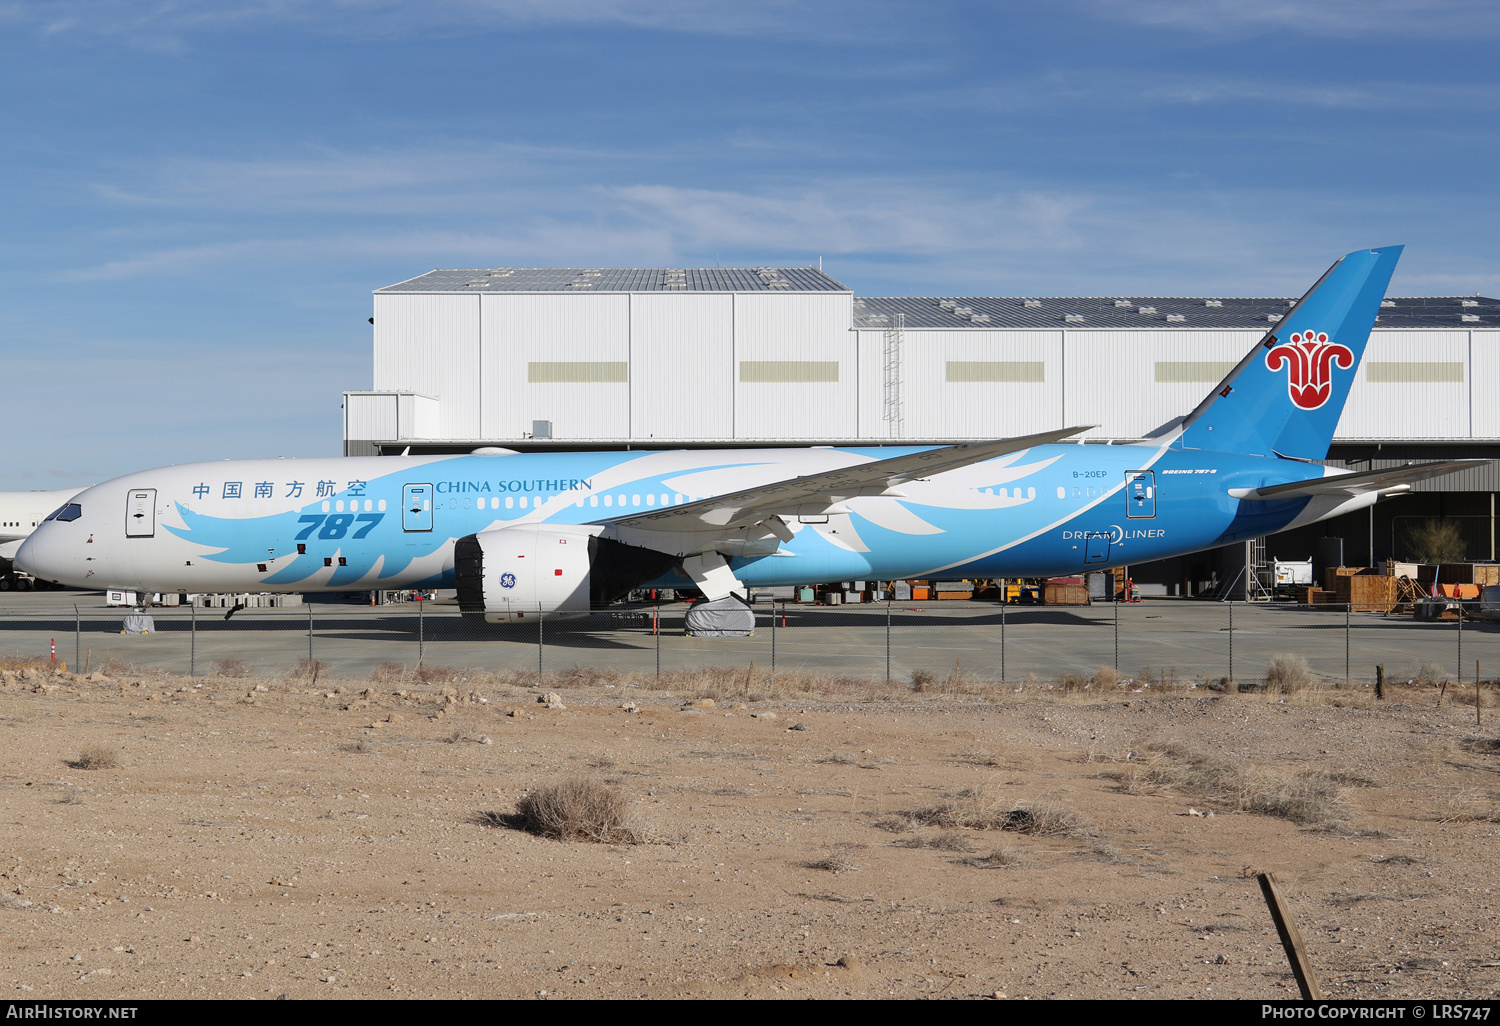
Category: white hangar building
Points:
column 642, row 358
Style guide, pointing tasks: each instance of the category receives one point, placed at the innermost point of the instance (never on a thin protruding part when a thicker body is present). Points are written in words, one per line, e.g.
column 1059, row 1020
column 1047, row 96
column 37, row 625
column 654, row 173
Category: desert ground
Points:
column 804, row 837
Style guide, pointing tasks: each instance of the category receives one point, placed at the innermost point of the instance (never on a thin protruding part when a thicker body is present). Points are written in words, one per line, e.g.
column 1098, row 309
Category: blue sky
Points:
column 199, row 197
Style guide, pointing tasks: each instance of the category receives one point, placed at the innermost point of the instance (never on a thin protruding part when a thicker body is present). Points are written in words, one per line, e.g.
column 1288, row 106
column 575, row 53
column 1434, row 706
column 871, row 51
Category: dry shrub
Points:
column 231, row 668
column 897, row 823
column 98, row 758
column 310, row 668
column 358, row 748
column 836, row 863
column 1102, row 679
column 1307, row 799
column 1288, row 674
column 24, row 663
column 1162, row 679
column 1000, row 858
column 921, row 680
column 974, row 809
column 579, row 809
column 388, row 673
column 1429, row 673
column 115, row 667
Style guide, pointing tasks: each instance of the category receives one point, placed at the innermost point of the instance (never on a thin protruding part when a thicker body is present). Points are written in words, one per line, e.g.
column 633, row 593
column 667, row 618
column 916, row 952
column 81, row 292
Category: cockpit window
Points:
column 71, row 511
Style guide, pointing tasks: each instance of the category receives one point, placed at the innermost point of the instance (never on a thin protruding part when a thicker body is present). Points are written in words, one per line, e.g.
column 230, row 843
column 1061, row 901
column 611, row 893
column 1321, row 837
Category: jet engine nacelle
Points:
column 517, row 573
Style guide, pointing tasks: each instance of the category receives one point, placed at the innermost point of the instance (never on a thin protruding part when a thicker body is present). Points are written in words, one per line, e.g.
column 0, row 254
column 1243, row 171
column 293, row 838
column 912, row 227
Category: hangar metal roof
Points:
column 621, row 279
column 1473, row 312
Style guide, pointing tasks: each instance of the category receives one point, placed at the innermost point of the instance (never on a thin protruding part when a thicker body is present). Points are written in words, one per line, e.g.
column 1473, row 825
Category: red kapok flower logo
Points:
column 1309, row 358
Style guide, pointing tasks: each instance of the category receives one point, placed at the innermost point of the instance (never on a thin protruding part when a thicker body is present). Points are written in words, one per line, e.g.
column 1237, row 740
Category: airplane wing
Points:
column 815, row 494
column 1393, row 479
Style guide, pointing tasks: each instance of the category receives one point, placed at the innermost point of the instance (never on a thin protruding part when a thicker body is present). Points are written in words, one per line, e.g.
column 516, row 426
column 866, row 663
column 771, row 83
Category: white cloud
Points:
column 1457, row 19
column 167, row 23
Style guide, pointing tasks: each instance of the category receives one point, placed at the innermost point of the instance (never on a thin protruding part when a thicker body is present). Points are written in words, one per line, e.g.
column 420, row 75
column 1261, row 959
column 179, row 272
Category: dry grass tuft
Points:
column 1001, row 858
column 1469, row 806
column 231, row 668
column 96, row 759
column 1288, row 674
column 358, row 748
column 948, row 840
column 578, row 809
column 1106, row 677
column 1313, row 798
column 977, row 809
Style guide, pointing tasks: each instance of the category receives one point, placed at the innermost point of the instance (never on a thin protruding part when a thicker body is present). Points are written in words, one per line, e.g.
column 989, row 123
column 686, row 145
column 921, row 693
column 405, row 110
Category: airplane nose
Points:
column 38, row 555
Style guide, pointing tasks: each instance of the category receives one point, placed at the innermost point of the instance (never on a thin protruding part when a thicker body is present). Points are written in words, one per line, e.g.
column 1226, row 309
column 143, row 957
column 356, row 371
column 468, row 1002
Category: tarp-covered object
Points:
column 728, row 617
column 138, row 623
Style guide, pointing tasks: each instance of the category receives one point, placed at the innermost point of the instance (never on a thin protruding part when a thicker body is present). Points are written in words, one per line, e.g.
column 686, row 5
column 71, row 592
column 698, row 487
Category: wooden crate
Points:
column 1333, row 573
column 1065, row 594
column 1368, row 592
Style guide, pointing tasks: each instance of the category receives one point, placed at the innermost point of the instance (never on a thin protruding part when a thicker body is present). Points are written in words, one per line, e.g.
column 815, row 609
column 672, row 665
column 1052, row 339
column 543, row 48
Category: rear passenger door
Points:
column 416, row 507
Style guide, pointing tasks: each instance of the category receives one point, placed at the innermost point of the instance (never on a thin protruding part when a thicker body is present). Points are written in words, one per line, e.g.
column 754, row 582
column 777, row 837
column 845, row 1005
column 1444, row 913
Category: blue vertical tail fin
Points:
column 1285, row 397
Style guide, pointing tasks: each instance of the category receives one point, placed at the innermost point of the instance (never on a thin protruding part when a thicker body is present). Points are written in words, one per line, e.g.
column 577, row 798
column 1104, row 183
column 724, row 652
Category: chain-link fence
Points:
column 1171, row 642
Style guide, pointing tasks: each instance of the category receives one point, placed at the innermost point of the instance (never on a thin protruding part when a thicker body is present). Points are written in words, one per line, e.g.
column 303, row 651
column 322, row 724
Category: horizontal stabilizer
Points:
column 820, row 491
column 1392, row 479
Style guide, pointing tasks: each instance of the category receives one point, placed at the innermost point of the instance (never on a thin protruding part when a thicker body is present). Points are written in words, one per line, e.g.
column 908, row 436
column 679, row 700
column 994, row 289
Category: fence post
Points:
column 310, row 663
column 656, row 629
column 1231, row 641
column 1460, row 641
column 1117, row 632
column 193, row 645
column 1348, row 608
column 421, row 630
column 1002, row 632
column 77, row 636
column 773, row 636
column 889, row 597
column 1380, row 681
column 539, row 644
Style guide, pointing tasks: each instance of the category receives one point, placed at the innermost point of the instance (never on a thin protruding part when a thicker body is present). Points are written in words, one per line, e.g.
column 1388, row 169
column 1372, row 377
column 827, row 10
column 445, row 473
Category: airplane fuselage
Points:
column 390, row 522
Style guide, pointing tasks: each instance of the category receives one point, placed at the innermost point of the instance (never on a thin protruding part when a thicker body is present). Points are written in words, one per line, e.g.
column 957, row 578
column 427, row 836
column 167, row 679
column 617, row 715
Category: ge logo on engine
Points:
column 507, row 580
